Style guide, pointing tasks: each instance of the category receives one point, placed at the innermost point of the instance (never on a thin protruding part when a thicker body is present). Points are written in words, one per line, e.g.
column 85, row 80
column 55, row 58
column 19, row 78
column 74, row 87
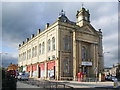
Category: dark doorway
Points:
column 54, row 72
column 39, row 72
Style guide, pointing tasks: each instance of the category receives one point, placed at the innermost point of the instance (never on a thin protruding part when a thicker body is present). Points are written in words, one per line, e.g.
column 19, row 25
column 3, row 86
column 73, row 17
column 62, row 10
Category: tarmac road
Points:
column 25, row 85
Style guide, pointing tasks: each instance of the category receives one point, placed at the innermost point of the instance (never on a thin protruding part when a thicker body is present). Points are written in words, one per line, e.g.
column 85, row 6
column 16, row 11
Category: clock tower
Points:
column 83, row 17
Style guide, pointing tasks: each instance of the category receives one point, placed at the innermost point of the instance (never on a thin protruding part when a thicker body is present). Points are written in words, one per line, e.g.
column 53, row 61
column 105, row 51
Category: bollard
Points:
column 115, row 83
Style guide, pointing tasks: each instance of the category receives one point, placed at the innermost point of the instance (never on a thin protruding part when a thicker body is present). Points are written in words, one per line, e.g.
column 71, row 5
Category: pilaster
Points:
column 45, row 69
column 74, row 56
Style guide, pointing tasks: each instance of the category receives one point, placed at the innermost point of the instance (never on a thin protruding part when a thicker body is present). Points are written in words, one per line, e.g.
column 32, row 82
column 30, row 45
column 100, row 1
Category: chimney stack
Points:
column 27, row 39
column 99, row 30
column 32, row 36
column 23, row 42
column 19, row 45
column 38, row 31
column 47, row 25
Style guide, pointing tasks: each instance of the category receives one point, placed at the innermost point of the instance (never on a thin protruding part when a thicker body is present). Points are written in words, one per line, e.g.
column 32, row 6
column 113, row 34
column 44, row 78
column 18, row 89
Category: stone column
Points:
column 74, row 56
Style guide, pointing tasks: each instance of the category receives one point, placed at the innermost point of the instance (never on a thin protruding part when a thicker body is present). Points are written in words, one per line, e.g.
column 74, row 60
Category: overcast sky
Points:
column 21, row 19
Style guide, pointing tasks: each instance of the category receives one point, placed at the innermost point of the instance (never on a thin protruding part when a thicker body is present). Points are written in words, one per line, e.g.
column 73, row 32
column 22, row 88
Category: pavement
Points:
column 76, row 84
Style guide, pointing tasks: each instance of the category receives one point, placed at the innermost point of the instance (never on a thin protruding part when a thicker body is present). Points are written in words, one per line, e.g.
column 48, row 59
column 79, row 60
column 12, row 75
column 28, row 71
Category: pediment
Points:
column 88, row 29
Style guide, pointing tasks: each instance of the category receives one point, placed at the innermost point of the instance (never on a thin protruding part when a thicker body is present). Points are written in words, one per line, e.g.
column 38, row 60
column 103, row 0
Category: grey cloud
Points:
column 7, row 59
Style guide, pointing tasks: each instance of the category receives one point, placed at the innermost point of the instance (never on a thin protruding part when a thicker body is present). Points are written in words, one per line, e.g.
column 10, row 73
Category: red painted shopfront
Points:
column 41, row 70
column 28, row 68
column 34, row 70
column 51, row 69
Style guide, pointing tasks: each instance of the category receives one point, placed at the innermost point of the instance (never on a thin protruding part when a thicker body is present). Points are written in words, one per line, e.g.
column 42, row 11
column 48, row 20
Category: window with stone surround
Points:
column 66, row 65
column 48, row 45
column 29, row 53
column 32, row 52
column 43, row 48
column 35, row 51
column 39, row 48
column 66, row 43
column 84, row 53
column 53, row 43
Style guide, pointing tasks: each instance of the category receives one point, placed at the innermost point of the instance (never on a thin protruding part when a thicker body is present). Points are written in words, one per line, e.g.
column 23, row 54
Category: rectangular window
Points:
column 66, row 43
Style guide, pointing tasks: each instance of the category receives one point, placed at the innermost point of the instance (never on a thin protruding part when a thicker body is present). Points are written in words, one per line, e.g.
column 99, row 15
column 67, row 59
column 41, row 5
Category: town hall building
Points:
column 63, row 49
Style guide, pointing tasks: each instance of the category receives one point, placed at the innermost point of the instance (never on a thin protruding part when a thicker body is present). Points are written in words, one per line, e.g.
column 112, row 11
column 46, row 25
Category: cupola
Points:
column 83, row 17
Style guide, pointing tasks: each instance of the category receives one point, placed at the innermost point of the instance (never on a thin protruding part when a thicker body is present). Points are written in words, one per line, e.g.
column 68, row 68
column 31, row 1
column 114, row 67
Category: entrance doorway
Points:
column 39, row 72
column 54, row 72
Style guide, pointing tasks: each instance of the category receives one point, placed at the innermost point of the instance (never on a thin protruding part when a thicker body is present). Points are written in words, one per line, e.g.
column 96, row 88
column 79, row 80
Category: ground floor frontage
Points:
column 52, row 69
column 44, row 70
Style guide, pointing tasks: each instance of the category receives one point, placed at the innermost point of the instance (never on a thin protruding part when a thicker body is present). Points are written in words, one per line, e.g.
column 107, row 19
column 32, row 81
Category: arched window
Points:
column 43, row 48
column 53, row 43
column 84, row 53
column 35, row 51
column 29, row 53
column 39, row 48
column 49, row 45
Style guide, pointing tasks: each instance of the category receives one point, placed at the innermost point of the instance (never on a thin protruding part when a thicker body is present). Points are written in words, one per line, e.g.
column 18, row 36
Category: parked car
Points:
column 23, row 76
column 110, row 78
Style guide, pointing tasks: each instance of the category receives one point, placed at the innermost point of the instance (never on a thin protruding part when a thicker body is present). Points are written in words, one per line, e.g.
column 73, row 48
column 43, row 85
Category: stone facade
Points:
column 63, row 49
